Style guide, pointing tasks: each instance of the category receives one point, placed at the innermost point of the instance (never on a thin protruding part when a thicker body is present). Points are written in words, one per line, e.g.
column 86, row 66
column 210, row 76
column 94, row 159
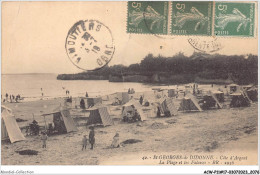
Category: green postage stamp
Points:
column 202, row 18
column 234, row 19
column 191, row 18
column 147, row 17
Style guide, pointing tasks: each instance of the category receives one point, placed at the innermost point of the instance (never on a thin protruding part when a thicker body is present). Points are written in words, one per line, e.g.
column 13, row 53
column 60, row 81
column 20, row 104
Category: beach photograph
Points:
column 129, row 83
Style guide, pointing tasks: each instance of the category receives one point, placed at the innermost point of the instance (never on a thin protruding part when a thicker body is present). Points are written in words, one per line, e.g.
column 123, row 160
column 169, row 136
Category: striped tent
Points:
column 166, row 105
column 99, row 115
column 9, row 127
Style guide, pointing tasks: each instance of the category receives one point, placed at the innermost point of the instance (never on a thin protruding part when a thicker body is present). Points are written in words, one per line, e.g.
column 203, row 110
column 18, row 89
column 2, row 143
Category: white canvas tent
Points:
column 62, row 115
column 123, row 97
column 131, row 106
column 9, row 126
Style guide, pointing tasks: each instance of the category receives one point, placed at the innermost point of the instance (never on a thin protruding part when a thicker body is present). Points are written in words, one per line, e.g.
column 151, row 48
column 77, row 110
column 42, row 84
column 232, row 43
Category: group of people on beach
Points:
column 91, row 140
column 44, row 138
column 11, row 98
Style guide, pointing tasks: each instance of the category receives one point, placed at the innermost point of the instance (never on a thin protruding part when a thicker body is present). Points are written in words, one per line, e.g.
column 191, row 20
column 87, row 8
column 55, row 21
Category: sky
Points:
column 34, row 34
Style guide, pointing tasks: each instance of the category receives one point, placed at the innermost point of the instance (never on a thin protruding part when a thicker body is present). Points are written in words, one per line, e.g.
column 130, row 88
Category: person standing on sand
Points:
column 92, row 137
column 158, row 112
column 44, row 139
column 6, row 95
column 141, row 100
column 84, row 142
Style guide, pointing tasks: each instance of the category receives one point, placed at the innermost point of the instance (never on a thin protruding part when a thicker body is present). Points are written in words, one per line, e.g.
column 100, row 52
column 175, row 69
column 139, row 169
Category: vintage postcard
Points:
column 129, row 83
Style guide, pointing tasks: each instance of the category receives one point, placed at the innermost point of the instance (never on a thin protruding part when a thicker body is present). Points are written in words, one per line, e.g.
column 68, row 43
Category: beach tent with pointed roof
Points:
column 219, row 95
column 239, row 99
column 131, row 106
column 91, row 101
column 171, row 93
column 253, row 93
column 166, row 105
column 123, row 97
column 189, row 103
column 9, row 127
column 149, row 96
column 62, row 120
column 210, row 100
column 99, row 115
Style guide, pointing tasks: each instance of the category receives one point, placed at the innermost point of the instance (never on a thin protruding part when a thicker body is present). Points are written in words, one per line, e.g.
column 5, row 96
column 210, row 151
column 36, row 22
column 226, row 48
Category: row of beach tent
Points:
column 99, row 113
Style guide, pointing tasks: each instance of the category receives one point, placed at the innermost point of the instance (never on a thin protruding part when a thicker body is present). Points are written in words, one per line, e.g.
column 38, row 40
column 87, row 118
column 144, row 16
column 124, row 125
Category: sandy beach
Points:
column 228, row 131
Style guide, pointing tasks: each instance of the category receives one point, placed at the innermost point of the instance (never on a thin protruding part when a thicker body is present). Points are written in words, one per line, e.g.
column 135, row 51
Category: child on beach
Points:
column 84, row 142
column 44, row 139
column 115, row 143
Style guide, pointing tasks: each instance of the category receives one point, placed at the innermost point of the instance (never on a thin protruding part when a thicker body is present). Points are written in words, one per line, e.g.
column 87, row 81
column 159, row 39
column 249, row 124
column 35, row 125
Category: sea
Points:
column 45, row 86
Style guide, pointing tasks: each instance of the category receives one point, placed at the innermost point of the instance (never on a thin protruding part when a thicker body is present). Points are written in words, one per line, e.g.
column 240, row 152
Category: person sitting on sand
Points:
column 115, row 143
column 84, row 142
column 92, row 137
column 44, row 139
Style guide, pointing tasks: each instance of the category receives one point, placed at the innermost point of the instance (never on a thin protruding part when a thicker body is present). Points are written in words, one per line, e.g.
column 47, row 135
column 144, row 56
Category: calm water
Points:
column 29, row 86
